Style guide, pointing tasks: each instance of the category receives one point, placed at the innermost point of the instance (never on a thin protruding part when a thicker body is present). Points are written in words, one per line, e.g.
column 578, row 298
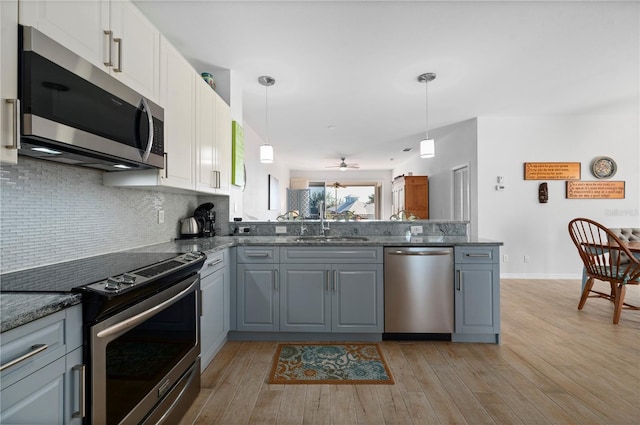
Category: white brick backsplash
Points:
column 52, row 212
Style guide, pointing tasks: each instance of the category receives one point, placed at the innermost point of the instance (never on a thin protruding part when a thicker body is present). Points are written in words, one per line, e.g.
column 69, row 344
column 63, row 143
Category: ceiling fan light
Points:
column 343, row 167
column 266, row 154
column 427, row 148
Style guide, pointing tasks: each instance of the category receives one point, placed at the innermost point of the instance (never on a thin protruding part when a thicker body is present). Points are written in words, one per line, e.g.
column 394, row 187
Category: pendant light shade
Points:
column 427, row 145
column 427, row 148
column 266, row 150
column 266, row 154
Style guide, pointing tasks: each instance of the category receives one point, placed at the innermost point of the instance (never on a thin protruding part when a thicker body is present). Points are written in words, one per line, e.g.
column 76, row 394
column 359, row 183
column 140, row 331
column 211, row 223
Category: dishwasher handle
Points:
column 423, row 253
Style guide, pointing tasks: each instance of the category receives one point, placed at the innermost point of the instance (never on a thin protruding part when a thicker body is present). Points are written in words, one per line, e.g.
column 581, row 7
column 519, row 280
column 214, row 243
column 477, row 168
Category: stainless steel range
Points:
column 141, row 324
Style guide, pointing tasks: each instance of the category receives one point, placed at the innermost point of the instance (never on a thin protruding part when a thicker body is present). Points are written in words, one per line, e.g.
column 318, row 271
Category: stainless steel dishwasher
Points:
column 418, row 291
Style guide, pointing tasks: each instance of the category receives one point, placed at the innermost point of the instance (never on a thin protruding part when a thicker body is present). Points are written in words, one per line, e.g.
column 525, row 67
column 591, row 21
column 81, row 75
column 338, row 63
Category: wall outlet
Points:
column 281, row 229
column 160, row 216
column 505, row 258
column 416, row 230
column 526, row 258
column 243, row 230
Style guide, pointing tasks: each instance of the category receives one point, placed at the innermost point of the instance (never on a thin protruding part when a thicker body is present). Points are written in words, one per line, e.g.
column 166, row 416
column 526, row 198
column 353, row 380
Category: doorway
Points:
column 461, row 201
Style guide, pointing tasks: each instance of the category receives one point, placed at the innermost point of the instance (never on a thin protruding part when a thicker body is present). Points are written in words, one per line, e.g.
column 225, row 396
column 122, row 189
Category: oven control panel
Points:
column 146, row 275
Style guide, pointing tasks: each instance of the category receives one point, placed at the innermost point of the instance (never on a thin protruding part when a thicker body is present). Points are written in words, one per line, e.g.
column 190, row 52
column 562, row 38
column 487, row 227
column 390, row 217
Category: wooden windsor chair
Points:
column 600, row 250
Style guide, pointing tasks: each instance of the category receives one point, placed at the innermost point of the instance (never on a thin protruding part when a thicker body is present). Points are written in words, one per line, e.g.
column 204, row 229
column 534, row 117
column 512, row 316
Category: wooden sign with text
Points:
column 595, row 190
column 552, row 171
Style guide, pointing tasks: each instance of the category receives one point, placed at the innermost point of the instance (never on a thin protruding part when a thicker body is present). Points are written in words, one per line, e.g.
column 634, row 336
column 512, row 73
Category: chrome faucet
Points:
column 303, row 228
column 324, row 226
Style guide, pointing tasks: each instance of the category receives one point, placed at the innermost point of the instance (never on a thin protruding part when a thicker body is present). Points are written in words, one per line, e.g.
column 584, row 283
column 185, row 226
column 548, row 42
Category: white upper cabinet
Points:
column 178, row 95
column 114, row 36
column 9, row 111
column 213, row 141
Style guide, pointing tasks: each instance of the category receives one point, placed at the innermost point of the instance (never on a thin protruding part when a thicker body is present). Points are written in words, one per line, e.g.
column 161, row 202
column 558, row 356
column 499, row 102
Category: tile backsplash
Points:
column 52, row 212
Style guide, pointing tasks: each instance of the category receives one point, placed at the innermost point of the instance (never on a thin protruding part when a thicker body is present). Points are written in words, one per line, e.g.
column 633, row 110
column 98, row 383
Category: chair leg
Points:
column 620, row 293
column 585, row 293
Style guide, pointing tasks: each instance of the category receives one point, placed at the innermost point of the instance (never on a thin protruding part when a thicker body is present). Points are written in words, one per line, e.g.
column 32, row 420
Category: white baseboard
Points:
column 540, row 276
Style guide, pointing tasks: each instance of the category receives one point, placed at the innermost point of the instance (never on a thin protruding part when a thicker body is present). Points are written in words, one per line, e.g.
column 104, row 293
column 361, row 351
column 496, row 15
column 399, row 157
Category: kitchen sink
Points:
column 329, row 238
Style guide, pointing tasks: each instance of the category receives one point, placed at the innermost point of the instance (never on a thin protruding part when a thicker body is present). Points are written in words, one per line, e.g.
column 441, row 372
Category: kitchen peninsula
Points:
column 473, row 273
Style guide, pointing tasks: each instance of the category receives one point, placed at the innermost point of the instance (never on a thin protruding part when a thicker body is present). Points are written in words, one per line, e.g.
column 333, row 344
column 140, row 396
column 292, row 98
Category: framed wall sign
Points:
column 552, row 171
column 274, row 193
column 595, row 190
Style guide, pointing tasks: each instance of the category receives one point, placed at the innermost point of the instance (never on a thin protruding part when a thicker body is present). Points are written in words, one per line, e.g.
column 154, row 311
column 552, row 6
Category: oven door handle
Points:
column 134, row 321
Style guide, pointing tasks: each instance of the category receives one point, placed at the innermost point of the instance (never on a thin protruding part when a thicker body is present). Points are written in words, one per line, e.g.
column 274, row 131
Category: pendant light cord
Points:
column 426, row 90
column 266, row 114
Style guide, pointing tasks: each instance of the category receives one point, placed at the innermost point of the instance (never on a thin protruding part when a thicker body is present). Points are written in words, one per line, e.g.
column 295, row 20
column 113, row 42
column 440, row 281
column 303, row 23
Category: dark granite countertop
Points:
column 20, row 308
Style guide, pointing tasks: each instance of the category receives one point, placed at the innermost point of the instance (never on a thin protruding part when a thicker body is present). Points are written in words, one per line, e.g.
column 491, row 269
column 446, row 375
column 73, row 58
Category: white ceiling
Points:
column 353, row 65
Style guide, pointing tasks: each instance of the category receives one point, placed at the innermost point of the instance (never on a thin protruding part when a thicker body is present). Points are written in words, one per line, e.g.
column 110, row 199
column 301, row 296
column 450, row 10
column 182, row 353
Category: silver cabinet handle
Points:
column 145, row 107
column 459, row 280
column 15, row 123
column 480, row 255
column 257, row 254
column 215, row 263
column 217, row 179
column 107, row 48
column 335, row 280
column 35, row 349
column 134, row 321
column 81, row 382
column 119, row 42
column 400, row 252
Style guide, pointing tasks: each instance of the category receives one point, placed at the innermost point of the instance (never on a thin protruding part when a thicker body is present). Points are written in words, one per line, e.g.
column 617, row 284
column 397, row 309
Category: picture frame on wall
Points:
column 274, row 193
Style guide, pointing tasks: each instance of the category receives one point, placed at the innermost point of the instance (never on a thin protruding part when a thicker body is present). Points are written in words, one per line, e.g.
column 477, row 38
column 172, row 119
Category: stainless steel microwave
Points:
column 75, row 113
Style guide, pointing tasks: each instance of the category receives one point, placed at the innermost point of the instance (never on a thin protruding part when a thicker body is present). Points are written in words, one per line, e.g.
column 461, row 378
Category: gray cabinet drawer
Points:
column 214, row 262
column 258, row 254
column 477, row 254
column 331, row 254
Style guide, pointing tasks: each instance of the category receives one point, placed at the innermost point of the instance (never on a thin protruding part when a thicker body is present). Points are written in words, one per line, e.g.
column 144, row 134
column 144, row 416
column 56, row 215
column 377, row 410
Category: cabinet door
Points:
column 135, row 49
column 357, row 304
column 78, row 25
column 213, row 323
column 258, row 301
column 223, row 146
column 205, row 143
column 416, row 195
column 36, row 399
column 177, row 80
column 477, row 299
column 9, row 113
column 305, row 298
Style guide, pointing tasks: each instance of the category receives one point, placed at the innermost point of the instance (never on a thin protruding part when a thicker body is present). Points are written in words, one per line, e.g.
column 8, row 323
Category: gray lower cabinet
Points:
column 477, row 294
column 215, row 288
column 44, row 388
column 257, row 286
column 345, row 296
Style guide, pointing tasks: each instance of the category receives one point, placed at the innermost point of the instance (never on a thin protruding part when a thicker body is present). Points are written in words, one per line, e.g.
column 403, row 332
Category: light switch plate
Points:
column 281, row 229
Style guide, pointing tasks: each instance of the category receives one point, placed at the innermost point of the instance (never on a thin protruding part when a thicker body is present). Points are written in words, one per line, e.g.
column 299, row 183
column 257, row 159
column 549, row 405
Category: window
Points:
column 340, row 200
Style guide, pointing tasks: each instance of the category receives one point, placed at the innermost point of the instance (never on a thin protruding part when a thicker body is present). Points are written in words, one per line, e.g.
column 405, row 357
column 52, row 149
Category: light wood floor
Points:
column 556, row 365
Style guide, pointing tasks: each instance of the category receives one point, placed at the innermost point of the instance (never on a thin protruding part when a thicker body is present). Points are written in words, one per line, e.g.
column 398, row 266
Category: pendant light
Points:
column 427, row 145
column 266, row 150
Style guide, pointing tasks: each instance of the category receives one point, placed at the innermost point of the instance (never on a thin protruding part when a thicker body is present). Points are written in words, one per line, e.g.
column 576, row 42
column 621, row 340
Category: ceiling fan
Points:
column 343, row 165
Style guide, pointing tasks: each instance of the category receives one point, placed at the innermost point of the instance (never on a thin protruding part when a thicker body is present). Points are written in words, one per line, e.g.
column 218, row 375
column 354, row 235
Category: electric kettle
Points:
column 189, row 228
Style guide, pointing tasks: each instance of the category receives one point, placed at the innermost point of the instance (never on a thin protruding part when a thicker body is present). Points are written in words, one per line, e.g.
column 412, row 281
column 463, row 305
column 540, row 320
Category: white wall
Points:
column 252, row 204
column 455, row 146
column 539, row 231
column 382, row 177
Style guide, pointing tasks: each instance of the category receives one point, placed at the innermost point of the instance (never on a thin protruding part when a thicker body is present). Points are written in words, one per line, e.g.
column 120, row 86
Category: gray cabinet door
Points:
column 357, row 302
column 477, row 298
column 305, row 298
column 37, row 399
column 258, row 301
column 214, row 322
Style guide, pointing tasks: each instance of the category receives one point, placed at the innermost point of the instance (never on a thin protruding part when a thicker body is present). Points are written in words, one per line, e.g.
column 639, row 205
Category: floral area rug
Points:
column 332, row 363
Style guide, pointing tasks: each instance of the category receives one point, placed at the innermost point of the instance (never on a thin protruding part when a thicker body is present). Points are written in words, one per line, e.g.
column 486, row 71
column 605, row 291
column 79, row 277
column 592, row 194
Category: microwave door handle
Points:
column 145, row 107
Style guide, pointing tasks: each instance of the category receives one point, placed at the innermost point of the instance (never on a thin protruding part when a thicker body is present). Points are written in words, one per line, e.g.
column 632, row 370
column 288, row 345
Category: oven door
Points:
column 140, row 356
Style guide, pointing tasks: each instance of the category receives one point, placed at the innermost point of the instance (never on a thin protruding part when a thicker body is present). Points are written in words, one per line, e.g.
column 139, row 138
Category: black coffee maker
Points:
column 206, row 218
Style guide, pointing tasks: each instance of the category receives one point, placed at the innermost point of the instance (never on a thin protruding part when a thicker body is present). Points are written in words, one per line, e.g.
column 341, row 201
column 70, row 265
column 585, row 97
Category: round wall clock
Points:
column 603, row 167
